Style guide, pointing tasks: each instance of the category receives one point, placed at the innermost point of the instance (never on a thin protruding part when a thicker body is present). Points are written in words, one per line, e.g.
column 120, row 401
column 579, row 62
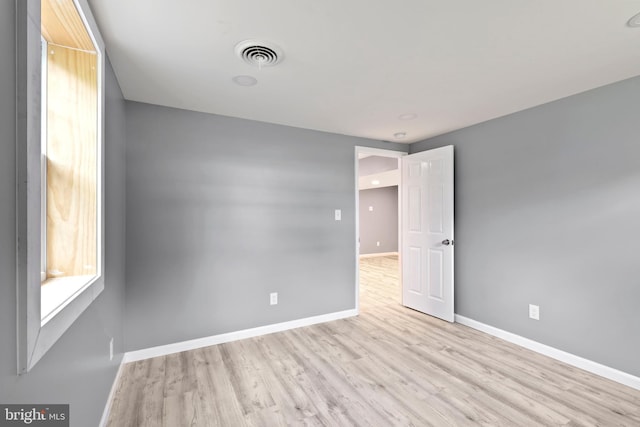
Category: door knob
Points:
column 447, row 242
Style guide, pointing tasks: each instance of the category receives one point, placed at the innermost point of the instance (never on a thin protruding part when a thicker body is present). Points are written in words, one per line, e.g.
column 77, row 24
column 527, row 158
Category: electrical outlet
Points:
column 377, row 243
column 338, row 215
column 111, row 349
column 534, row 312
column 273, row 298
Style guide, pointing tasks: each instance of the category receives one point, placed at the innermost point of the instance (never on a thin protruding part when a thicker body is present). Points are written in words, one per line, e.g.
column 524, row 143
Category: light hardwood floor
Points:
column 388, row 366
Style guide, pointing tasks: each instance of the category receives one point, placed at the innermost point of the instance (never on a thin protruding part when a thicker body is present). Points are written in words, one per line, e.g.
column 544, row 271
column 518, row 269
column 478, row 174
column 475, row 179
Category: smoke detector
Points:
column 259, row 53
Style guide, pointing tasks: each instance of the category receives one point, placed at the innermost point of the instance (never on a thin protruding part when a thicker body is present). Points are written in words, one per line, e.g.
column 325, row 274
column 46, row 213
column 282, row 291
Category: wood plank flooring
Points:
column 389, row 366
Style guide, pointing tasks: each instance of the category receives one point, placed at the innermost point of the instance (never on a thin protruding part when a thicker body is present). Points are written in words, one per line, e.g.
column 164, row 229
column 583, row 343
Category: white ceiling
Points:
column 354, row 66
column 379, row 180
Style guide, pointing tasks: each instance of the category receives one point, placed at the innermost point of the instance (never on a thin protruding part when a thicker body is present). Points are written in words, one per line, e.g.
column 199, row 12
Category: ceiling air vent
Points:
column 259, row 53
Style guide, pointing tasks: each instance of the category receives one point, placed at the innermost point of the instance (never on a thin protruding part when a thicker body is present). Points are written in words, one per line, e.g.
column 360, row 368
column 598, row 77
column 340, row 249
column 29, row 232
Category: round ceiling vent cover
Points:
column 259, row 53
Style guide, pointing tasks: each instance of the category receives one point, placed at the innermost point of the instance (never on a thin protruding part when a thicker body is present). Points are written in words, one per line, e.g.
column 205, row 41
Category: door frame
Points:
column 376, row 152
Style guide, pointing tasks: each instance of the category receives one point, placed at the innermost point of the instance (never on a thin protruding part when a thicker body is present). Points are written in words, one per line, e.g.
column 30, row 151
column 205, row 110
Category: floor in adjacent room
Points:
column 388, row 366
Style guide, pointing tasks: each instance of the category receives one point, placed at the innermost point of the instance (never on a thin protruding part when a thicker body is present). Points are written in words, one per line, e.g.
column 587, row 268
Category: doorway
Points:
column 377, row 227
column 425, row 233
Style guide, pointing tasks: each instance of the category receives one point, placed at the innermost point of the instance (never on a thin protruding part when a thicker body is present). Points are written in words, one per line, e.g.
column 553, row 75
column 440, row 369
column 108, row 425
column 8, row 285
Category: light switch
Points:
column 370, row 208
column 338, row 214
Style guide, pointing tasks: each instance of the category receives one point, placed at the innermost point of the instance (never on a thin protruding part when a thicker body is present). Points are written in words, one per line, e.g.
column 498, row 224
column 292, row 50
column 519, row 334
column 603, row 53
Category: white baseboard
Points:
column 107, row 406
column 163, row 350
column 563, row 356
column 378, row 254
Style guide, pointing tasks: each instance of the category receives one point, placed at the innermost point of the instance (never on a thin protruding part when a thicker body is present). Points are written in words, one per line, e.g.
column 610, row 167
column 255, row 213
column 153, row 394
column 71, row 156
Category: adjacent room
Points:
column 378, row 228
column 330, row 213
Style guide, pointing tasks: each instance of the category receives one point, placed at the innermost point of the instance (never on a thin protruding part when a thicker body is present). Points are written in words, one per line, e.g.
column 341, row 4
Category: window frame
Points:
column 34, row 336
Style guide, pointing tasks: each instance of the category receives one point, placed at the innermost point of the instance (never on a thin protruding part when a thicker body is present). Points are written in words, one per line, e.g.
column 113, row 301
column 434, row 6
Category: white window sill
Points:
column 56, row 293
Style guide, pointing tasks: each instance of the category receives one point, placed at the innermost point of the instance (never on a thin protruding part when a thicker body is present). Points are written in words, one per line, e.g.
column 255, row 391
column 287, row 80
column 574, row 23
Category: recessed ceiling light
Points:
column 635, row 21
column 408, row 116
column 375, row 182
column 399, row 135
column 245, row 80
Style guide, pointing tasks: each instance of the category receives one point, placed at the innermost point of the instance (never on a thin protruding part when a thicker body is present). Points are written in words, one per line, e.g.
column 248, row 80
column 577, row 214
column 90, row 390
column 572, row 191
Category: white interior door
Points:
column 427, row 232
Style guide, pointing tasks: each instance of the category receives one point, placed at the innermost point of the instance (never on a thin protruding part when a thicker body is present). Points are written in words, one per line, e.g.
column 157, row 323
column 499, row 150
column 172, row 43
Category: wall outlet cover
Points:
column 273, row 298
column 534, row 312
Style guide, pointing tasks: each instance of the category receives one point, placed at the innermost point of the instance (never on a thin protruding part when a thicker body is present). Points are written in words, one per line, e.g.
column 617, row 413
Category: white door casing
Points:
column 427, row 232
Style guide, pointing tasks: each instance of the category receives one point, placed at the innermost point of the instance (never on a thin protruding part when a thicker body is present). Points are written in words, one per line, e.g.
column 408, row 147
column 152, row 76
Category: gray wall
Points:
column 547, row 209
column 381, row 224
column 77, row 369
column 223, row 211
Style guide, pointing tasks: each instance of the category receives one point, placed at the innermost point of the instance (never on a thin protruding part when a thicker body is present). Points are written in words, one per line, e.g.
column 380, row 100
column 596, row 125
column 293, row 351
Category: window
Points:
column 60, row 197
column 69, row 156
